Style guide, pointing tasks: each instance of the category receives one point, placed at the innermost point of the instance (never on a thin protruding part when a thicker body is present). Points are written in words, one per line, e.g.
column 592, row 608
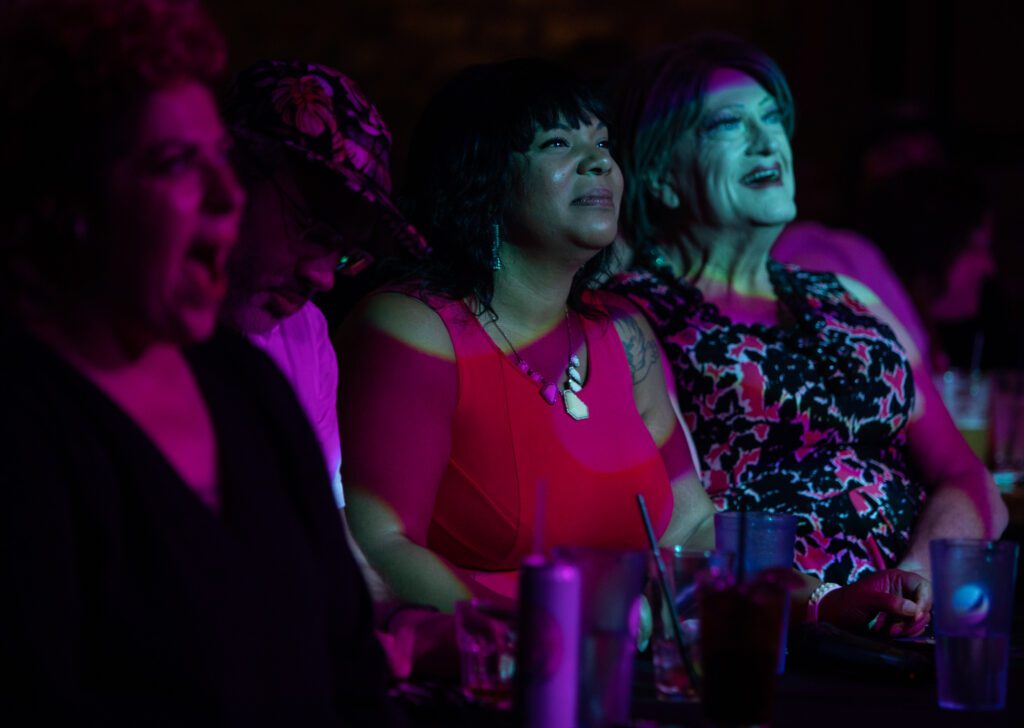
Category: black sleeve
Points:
column 48, row 470
column 361, row 675
column 40, row 607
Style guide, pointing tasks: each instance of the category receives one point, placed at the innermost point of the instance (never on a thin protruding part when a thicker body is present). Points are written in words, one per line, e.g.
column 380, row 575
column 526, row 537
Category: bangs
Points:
column 678, row 89
column 538, row 96
column 462, row 168
column 554, row 108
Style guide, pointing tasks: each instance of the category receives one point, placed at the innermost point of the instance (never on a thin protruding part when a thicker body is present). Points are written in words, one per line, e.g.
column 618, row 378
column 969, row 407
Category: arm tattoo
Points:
column 641, row 353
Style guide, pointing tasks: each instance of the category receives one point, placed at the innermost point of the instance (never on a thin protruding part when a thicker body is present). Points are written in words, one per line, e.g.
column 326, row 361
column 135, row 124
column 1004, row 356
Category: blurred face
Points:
column 570, row 189
column 734, row 169
column 286, row 254
column 966, row 276
column 912, row 150
column 169, row 218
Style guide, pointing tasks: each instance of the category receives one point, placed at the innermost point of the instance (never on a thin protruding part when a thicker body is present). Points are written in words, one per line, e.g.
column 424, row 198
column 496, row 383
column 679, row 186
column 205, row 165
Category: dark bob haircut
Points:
column 462, row 170
column 657, row 100
column 71, row 74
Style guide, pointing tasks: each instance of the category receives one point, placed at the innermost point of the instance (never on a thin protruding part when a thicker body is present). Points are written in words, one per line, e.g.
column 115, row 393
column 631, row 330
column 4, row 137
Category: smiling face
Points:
column 734, row 168
column 568, row 195
column 287, row 253
column 168, row 219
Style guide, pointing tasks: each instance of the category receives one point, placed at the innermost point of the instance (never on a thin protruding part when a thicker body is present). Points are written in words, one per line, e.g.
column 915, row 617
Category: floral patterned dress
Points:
column 807, row 417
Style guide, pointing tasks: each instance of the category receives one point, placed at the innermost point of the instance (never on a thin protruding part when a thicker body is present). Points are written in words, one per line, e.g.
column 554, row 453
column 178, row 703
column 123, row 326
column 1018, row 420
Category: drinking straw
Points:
column 677, row 629
column 1014, row 392
column 976, row 351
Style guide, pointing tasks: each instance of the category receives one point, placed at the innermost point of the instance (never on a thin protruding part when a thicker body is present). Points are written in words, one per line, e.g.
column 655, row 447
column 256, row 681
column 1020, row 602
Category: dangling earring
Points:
column 495, row 245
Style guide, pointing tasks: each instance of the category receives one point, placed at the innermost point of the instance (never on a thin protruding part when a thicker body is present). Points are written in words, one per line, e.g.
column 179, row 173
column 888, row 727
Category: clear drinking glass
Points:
column 966, row 396
column 683, row 570
column 973, row 610
column 769, row 540
column 486, row 636
column 740, row 627
column 612, row 585
column 1006, row 428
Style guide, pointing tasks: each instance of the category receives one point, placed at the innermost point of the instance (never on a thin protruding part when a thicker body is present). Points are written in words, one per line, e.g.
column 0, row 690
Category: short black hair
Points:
column 461, row 171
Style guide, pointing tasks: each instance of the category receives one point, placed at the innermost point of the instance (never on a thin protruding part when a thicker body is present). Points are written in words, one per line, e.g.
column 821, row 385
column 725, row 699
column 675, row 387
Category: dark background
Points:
column 848, row 62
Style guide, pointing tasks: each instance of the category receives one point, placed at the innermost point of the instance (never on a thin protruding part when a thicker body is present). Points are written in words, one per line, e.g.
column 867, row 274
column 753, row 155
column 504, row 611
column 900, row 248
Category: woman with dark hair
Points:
column 169, row 545
column 492, row 404
column 799, row 391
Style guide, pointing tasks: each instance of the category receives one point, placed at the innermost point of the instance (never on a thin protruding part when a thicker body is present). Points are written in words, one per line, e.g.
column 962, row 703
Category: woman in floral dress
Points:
column 801, row 391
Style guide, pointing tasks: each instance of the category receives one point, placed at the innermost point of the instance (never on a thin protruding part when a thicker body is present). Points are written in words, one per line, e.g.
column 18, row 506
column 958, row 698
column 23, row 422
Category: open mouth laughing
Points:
column 763, row 177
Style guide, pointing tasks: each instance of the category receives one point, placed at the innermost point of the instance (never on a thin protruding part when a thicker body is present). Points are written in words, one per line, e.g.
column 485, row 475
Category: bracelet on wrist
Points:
column 814, row 601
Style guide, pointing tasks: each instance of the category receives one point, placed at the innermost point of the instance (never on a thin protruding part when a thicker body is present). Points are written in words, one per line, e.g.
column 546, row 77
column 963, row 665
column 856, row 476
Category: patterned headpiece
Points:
column 321, row 115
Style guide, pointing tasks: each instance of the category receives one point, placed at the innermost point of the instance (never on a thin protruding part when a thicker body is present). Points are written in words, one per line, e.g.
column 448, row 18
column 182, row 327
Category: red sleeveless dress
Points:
column 506, row 439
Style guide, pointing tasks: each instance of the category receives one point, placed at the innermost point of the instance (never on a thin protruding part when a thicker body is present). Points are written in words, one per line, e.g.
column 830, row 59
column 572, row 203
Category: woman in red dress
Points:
column 492, row 404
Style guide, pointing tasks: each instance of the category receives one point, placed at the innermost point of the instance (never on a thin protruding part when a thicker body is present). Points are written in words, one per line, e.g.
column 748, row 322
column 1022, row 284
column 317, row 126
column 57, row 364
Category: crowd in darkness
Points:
column 267, row 420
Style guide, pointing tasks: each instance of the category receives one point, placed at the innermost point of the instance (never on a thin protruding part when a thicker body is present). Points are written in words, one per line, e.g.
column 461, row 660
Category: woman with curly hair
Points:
column 492, row 404
column 169, row 544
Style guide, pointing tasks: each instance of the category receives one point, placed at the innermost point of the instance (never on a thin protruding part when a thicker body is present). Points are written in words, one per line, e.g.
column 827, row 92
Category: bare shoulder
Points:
column 882, row 312
column 620, row 309
column 859, row 291
column 403, row 317
column 638, row 340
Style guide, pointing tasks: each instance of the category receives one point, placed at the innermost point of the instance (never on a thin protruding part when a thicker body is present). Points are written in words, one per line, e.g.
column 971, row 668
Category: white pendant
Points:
column 574, row 377
column 574, row 406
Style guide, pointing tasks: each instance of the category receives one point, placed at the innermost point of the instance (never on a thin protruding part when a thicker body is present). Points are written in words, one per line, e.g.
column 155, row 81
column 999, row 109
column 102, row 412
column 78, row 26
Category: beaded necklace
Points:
column 574, row 406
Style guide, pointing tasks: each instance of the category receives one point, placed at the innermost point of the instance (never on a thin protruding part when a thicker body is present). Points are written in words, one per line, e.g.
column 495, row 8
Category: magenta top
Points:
column 504, row 441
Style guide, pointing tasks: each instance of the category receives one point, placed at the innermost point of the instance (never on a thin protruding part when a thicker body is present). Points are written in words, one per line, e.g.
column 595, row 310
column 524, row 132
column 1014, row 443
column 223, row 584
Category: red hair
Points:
column 71, row 72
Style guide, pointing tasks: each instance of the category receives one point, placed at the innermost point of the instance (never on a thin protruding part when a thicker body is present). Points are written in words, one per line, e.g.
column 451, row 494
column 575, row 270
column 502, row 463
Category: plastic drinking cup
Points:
column 973, row 610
